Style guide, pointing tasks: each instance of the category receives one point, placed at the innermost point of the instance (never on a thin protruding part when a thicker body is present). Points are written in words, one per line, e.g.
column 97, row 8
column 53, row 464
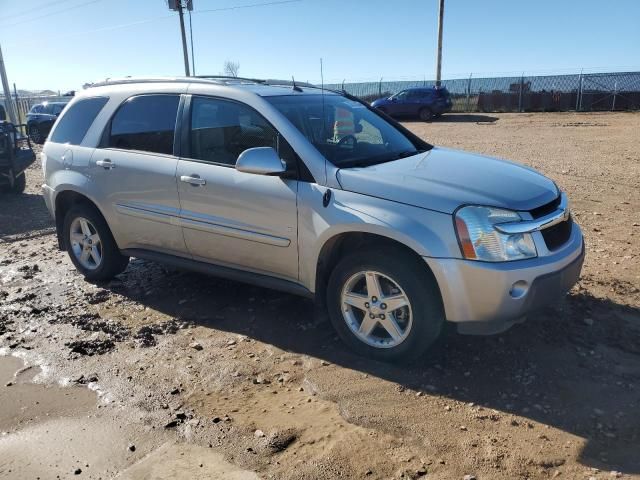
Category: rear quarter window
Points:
column 74, row 124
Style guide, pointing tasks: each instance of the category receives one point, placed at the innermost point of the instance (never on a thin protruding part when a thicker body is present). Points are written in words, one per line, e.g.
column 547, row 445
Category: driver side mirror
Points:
column 261, row 161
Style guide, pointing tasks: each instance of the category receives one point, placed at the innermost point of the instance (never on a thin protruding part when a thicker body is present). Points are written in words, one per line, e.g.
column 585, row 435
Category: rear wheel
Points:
column 425, row 114
column 90, row 244
column 385, row 305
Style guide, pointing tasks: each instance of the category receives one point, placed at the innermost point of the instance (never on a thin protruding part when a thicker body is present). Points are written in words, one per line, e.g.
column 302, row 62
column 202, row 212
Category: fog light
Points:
column 519, row 289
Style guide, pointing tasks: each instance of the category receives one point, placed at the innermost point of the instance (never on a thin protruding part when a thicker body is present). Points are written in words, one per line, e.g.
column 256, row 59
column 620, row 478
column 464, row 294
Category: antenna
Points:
column 295, row 88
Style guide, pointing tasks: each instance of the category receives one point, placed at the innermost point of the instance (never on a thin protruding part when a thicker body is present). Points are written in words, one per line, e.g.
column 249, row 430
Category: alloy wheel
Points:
column 376, row 309
column 86, row 243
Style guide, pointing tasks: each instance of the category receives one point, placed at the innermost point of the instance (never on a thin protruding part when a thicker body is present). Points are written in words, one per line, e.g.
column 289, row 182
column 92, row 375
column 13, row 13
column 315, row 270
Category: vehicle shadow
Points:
column 23, row 217
column 466, row 118
column 574, row 367
column 455, row 118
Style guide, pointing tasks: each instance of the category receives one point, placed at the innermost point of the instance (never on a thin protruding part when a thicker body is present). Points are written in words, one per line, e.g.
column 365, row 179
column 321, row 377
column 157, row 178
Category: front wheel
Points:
column 385, row 305
column 90, row 244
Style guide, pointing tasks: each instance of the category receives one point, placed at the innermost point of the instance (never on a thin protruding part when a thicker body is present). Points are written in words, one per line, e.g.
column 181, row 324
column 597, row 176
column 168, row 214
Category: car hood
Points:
column 380, row 101
column 442, row 179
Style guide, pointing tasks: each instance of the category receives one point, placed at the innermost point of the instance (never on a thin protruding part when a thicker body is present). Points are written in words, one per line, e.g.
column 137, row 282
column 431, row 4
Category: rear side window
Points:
column 73, row 125
column 146, row 123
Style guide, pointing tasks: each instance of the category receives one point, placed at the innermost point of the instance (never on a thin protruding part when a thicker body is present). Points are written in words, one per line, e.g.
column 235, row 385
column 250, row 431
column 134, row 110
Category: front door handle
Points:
column 194, row 180
column 107, row 164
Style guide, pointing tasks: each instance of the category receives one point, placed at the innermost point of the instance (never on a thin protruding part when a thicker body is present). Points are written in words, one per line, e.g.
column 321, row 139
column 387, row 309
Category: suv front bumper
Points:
column 485, row 298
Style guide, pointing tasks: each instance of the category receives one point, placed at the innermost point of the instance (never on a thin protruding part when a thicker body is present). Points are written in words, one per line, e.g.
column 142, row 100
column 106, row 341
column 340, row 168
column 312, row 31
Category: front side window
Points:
column 221, row 130
column 145, row 123
column 74, row 124
column 57, row 109
column 346, row 132
column 401, row 95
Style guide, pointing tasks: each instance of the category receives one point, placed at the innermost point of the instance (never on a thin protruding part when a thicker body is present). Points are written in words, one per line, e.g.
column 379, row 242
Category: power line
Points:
column 50, row 14
column 153, row 19
column 29, row 10
column 238, row 7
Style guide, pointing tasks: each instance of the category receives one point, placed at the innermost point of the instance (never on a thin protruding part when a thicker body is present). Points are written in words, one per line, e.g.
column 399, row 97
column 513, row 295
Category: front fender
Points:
column 426, row 232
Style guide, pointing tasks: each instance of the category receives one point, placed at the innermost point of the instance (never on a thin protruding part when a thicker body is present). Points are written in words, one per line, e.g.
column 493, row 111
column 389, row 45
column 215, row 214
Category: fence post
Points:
column 615, row 91
column 468, row 92
column 380, row 87
column 15, row 95
column 520, row 94
column 580, row 94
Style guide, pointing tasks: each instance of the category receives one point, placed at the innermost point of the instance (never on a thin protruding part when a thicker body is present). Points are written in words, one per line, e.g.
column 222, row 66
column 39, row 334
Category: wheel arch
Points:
column 343, row 243
column 64, row 200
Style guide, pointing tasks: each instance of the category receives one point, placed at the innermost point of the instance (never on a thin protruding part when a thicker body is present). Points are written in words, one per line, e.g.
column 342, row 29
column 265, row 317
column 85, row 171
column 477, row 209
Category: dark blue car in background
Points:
column 424, row 103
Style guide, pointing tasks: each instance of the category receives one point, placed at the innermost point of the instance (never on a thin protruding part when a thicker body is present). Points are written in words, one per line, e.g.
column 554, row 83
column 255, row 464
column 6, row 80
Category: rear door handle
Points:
column 193, row 180
column 107, row 164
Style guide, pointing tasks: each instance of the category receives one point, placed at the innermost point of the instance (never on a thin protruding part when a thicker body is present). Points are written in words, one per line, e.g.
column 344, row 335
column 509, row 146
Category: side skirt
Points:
column 257, row 279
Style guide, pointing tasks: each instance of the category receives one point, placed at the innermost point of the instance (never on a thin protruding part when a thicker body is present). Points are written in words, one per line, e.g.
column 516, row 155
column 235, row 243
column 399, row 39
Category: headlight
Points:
column 479, row 240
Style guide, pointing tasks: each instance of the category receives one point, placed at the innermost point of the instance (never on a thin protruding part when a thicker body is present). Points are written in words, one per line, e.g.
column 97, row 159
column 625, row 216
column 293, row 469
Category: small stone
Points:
column 463, row 428
column 196, row 346
column 231, row 342
column 419, row 394
column 447, row 408
column 132, row 447
column 216, row 420
column 258, row 434
column 469, row 477
column 8, row 384
column 588, row 321
column 615, row 474
column 324, row 363
column 77, row 471
column 598, row 412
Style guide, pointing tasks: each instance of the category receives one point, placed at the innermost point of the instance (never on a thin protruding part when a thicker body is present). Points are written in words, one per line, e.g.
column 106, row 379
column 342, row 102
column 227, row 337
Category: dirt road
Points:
column 212, row 379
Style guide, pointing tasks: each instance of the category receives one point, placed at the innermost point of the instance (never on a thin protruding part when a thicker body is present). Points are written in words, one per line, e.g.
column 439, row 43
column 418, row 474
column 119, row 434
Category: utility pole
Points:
column 7, row 92
column 439, row 61
column 177, row 6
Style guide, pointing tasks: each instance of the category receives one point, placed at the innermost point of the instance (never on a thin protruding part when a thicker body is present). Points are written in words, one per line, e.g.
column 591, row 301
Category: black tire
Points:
column 419, row 286
column 35, row 133
column 19, row 184
column 113, row 262
column 425, row 114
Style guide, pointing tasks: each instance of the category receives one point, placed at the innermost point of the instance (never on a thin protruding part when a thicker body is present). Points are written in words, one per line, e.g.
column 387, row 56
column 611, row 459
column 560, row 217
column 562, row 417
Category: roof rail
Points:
column 126, row 80
column 227, row 77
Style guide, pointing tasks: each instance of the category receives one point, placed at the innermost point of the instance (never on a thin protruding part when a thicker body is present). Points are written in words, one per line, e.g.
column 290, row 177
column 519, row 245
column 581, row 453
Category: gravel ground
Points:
column 259, row 378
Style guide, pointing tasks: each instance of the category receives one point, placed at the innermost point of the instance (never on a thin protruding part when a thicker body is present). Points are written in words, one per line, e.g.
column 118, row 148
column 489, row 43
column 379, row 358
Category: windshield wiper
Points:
column 408, row 153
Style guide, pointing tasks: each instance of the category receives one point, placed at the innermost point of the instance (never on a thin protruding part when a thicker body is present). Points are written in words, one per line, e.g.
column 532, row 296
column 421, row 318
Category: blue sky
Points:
column 61, row 44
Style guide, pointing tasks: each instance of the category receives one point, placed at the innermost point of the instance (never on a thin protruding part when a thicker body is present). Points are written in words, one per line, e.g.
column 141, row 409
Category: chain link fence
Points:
column 543, row 93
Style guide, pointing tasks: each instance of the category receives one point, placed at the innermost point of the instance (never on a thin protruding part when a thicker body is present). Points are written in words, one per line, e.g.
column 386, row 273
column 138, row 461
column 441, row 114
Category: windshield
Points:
column 348, row 134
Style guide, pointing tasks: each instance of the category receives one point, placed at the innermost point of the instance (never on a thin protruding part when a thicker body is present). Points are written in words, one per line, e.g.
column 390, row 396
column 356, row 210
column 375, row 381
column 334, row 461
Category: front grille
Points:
column 546, row 209
column 558, row 235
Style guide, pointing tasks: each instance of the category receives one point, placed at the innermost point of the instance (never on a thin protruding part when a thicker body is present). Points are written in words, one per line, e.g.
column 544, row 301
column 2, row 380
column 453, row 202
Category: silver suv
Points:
column 309, row 191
